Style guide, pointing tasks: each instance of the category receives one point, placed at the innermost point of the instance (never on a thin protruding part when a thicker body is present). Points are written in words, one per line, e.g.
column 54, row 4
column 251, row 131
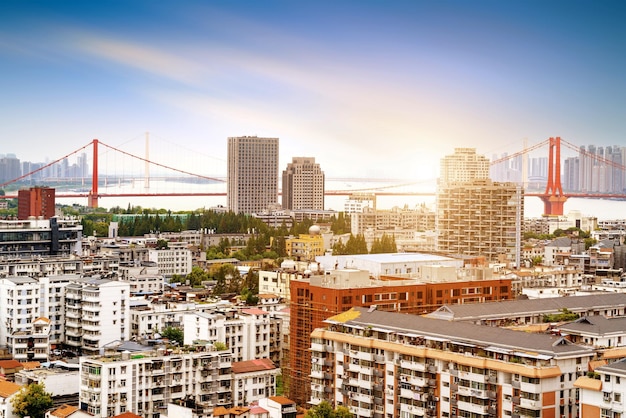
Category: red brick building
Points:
column 36, row 201
column 317, row 298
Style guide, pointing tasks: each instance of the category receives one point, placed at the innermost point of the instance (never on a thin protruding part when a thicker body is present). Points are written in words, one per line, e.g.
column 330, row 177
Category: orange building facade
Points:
column 36, row 201
column 317, row 298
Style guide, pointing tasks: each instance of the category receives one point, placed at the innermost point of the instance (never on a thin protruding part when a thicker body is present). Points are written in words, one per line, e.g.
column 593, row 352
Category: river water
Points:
column 603, row 209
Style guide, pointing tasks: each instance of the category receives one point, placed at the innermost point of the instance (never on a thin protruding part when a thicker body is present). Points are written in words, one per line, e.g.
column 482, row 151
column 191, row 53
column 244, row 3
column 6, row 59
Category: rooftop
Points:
column 512, row 308
column 256, row 365
column 542, row 346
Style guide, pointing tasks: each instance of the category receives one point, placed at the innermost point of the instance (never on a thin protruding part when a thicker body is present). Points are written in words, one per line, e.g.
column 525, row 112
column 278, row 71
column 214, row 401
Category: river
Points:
column 603, row 209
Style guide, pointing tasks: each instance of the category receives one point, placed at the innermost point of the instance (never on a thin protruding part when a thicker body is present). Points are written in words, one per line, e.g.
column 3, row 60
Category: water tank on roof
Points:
column 314, row 230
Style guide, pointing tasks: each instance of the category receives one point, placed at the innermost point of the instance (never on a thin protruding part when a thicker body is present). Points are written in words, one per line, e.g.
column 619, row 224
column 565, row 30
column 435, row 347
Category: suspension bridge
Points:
column 95, row 186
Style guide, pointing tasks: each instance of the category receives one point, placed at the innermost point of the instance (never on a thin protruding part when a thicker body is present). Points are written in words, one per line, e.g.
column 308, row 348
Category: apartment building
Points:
column 148, row 318
column 97, row 313
column 19, row 299
column 252, row 174
column 416, row 219
column 249, row 333
column 562, row 279
column 306, row 246
column 602, row 395
column 476, row 216
column 32, row 343
column 277, row 281
column 315, row 298
column 146, row 382
column 385, row 365
column 480, row 218
column 40, row 237
column 36, row 202
column 253, row 380
column 144, row 278
column 303, row 185
column 176, row 260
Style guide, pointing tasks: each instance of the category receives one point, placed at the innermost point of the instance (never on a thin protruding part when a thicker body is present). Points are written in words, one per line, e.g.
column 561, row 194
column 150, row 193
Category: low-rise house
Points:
column 279, row 407
column 7, row 391
column 8, row 369
column 67, row 411
column 60, row 379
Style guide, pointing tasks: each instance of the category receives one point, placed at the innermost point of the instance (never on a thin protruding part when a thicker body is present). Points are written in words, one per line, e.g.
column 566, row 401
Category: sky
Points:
column 377, row 89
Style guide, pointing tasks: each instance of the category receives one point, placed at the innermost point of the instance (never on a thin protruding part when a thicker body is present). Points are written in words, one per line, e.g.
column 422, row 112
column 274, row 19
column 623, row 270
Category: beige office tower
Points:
column 303, row 185
column 252, row 174
column 476, row 216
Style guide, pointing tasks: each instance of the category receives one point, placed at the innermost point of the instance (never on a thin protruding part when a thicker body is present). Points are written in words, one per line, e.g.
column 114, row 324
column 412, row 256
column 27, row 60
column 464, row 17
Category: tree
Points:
column 32, row 400
column 174, row 335
column 325, row 410
column 220, row 346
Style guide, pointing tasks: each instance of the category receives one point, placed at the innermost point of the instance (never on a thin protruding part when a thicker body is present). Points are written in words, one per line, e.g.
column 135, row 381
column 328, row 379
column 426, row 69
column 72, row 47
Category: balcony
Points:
column 416, row 366
column 472, row 407
column 530, row 403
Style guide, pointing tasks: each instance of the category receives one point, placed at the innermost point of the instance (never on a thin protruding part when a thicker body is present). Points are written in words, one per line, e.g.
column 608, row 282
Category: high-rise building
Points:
column 10, row 167
column 303, row 185
column 36, row 201
column 476, row 216
column 252, row 174
column 464, row 165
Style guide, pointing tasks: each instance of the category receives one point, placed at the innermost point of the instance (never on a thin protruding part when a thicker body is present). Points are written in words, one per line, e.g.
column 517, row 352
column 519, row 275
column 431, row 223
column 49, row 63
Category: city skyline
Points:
column 372, row 85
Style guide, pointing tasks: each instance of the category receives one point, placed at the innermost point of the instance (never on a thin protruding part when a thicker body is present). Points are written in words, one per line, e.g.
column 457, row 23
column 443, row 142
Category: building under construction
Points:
column 317, row 297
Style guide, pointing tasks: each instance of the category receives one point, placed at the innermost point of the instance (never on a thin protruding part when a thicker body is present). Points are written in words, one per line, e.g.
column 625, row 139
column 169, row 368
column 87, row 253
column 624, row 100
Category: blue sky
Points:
column 369, row 88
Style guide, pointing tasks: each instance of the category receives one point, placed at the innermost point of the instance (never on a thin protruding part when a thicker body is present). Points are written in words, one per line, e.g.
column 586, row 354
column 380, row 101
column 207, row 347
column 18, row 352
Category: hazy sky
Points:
column 369, row 88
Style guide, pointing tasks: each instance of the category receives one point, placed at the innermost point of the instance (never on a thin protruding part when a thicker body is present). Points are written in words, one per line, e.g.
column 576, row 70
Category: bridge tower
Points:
column 92, row 199
column 553, row 198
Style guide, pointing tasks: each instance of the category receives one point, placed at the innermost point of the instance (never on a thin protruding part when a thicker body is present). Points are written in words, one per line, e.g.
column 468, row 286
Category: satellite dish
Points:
column 157, row 335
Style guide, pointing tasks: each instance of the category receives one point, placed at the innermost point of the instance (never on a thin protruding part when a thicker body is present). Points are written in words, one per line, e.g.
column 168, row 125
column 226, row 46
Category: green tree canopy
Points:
column 325, row 410
column 174, row 335
column 32, row 400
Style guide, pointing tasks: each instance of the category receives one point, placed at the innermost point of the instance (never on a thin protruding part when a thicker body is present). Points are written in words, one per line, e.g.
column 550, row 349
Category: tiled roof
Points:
column 254, row 311
column 10, row 364
column 127, row 415
column 515, row 341
column 31, row 365
column 618, row 367
column 282, row 400
column 8, row 388
column 597, row 324
column 252, row 366
column 588, row 383
column 509, row 308
column 64, row 411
